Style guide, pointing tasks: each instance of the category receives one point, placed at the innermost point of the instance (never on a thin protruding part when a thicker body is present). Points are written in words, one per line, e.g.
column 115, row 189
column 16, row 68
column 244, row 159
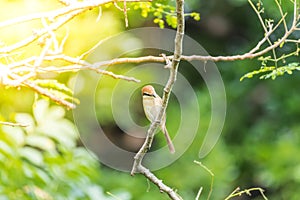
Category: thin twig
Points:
column 264, row 27
column 13, row 124
column 282, row 15
column 78, row 65
column 267, row 35
column 212, row 177
column 82, row 65
column 113, row 196
column 115, row 76
column 237, row 192
column 232, row 193
column 199, row 193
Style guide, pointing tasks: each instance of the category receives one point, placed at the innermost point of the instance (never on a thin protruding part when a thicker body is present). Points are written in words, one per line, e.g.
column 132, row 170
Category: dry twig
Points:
column 13, row 124
column 237, row 192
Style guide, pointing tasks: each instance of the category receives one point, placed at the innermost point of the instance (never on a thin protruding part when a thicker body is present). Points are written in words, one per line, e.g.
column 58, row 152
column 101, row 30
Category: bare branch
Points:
column 212, row 177
column 137, row 165
column 282, row 15
column 81, row 65
column 251, row 54
column 237, row 192
column 162, row 187
column 199, row 193
column 269, row 26
column 267, row 35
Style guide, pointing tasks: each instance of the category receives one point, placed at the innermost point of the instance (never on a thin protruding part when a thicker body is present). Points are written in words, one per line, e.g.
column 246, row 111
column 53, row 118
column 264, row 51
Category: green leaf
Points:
column 58, row 89
column 144, row 13
column 51, row 122
column 6, row 149
column 255, row 72
column 40, row 142
column 54, row 84
column 160, row 22
column 274, row 72
column 32, row 155
column 16, row 134
column 158, row 14
column 162, row 13
column 172, row 21
column 34, row 166
column 195, row 15
column 40, row 110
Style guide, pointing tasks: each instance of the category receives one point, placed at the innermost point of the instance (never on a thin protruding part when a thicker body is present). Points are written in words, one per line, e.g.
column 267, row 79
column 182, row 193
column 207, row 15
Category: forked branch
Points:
column 137, row 166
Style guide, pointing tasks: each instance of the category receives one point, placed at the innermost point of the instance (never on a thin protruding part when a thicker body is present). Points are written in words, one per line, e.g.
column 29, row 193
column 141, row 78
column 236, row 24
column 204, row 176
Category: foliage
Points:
column 41, row 160
column 283, row 55
column 163, row 13
column 273, row 72
column 59, row 89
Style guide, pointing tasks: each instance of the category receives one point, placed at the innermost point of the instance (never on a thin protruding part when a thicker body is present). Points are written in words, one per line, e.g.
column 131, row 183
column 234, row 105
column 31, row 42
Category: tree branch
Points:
column 137, row 166
column 162, row 187
column 238, row 193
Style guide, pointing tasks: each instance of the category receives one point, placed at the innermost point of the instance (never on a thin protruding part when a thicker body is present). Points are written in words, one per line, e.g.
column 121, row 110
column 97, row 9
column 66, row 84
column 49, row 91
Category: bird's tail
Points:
column 169, row 141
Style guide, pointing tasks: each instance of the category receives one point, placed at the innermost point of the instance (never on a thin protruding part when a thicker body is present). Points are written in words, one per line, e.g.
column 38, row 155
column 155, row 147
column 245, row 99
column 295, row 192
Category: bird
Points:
column 152, row 104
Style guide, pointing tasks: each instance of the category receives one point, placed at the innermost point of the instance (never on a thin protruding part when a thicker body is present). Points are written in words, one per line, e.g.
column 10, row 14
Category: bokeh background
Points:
column 259, row 145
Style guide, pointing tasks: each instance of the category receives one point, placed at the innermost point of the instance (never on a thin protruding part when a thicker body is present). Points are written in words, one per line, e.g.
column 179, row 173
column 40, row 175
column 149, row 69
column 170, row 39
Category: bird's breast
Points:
column 151, row 109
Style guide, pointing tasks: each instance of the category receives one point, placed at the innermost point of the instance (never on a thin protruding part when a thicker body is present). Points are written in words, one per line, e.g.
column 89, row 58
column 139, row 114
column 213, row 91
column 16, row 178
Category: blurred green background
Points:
column 259, row 145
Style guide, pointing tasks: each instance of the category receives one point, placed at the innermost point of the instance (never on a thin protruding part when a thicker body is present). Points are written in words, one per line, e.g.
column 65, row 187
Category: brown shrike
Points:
column 152, row 104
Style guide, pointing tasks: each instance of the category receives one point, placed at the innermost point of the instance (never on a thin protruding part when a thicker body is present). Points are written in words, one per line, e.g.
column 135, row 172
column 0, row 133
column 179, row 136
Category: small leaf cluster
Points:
column 272, row 71
column 163, row 14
